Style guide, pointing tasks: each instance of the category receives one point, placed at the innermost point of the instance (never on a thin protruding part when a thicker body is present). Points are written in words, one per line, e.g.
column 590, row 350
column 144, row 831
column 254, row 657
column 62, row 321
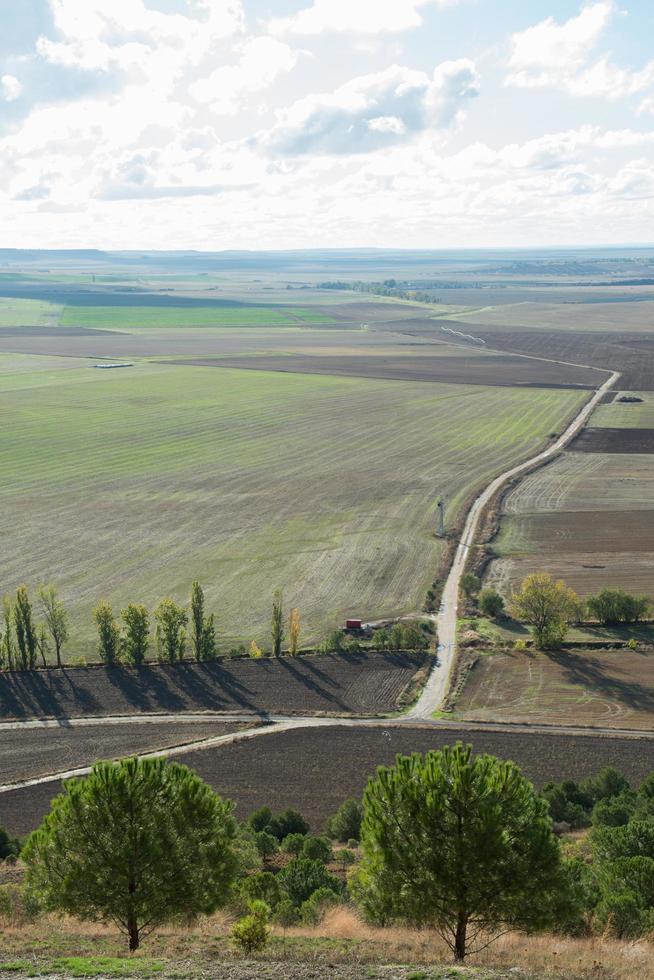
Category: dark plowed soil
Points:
column 314, row 770
column 613, row 441
column 330, row 683
column 32, row 752
column 502, row 370
column 626, row 352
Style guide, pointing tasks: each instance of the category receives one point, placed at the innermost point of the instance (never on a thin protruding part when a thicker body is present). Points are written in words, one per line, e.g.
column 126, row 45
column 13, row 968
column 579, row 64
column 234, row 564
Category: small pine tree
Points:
column 250, row 934
column 255, row 652
column 294, row 632
column 277, row 625
column 108, row 633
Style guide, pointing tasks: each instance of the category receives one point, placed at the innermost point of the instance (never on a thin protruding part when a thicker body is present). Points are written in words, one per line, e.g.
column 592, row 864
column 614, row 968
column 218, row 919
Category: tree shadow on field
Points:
column 143, row 688
column 582, row 671
column 48, row 693
column 316, row 684
column 215, row 686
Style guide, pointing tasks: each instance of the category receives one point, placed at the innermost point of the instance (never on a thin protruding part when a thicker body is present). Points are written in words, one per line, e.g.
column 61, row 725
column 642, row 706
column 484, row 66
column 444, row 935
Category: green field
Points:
column 125, row 317
column 626, row 415
column 130, row 484
column 27, row 313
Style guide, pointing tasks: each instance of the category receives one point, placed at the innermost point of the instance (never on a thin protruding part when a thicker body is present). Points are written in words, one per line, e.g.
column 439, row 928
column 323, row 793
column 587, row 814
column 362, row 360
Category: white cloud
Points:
column 128, row 35
column 10, row 88
column 373, row 111
column 262, row 60
column 551, row 54
column 356, row 17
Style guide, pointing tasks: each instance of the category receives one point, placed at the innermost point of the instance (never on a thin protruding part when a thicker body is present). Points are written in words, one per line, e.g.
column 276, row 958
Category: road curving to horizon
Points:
column 436, row 686
column 435, row 690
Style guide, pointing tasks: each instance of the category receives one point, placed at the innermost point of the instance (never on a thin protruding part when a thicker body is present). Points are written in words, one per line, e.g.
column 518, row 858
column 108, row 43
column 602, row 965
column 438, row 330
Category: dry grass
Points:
column 341, row 943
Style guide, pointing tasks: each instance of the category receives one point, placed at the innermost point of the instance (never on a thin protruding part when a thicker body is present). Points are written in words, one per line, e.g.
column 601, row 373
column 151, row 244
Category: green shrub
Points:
column 293, row 843
column 261, row 887
column 251, row 933
column 313, row 910
column 302, row 877
column 286, row 914
column 317, row 849
column 345, row 825
column 9, row 846
column 491, row 603
column 267, row 844
column 470, row 584
column 614, row 811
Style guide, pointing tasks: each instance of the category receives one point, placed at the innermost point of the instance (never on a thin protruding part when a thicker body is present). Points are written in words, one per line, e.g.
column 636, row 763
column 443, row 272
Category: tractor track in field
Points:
column 435, row 688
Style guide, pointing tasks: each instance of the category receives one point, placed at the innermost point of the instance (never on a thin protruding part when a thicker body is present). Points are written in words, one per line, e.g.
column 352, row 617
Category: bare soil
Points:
column 605, row 440
column 602, row 688
column 31, row 753
column 502, row 370
column 314, row 770
column 328, row 683
column 614, row 350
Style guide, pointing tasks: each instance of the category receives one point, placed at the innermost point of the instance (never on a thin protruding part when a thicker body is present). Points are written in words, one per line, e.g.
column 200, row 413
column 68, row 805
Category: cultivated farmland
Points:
column 126, row 317
column 35, row 752
column 326, row 684
column 131, row 484
column 601, row 688
column 314, row 770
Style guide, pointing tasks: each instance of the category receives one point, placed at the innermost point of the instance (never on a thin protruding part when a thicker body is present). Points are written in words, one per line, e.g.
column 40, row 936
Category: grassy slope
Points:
column 131, row 484
column 121, row 317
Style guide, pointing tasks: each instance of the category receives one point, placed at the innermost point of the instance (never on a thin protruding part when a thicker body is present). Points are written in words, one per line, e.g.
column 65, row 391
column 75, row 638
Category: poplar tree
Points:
column 56, row 618
column 26, row 638
column 277, row 623
column 204, row 630
column 171, row 634
column 108, row 633
column 137, row 631
column 294, row 631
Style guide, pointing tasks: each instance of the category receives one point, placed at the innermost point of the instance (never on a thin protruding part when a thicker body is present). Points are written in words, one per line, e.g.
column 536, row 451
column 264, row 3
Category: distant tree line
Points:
column 127, row 638
column 388, row 287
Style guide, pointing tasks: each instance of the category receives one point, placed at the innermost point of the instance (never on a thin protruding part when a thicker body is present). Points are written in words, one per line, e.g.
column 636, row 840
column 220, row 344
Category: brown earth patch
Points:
column 603, row 688
column 613, row 351
column 29, row 753
column 314, row 770
column 335, row 683
column 605, row 440
column 500, row 370
column 575, row 532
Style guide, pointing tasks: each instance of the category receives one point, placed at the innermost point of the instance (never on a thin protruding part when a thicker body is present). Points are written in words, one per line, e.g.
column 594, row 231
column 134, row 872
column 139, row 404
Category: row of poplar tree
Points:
column 24, row 642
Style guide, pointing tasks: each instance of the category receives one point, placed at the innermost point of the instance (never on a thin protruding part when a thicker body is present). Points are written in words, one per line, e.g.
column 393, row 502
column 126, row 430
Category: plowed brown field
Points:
column 602, row 688
column 314, row 770
column 335, row 683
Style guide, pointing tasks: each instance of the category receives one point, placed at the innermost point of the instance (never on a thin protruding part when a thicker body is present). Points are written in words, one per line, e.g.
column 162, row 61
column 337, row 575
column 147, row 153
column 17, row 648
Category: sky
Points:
column 271, row 124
